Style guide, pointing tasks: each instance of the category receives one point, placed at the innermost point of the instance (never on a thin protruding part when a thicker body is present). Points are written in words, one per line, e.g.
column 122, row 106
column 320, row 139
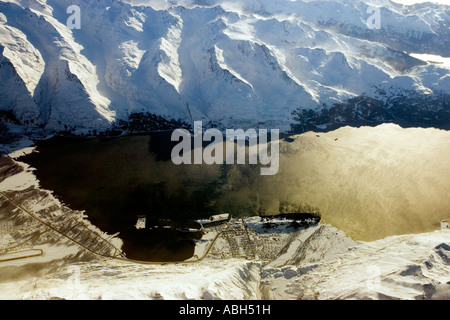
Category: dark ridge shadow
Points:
column 409, row 109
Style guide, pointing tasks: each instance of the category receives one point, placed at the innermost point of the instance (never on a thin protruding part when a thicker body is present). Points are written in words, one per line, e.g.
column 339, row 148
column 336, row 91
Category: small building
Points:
column 215, row 220
column 445, row 224
column 141, row 222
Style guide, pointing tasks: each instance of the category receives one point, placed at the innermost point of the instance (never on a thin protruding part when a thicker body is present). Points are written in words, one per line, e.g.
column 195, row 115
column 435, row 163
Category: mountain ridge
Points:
column 232, row 63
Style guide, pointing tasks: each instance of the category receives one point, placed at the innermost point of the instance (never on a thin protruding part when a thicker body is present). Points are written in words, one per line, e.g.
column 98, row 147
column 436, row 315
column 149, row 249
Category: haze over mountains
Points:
column 235, row 63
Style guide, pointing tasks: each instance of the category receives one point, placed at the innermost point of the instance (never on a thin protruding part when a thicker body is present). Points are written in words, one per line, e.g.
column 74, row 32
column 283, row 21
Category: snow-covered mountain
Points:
column 234, row 62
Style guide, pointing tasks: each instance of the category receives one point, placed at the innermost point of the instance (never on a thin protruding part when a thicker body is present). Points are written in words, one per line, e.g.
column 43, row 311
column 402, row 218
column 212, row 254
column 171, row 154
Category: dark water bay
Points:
column 115, row 180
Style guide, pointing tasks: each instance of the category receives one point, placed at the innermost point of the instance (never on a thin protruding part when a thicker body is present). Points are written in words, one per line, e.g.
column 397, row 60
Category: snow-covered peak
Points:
column 222, row 61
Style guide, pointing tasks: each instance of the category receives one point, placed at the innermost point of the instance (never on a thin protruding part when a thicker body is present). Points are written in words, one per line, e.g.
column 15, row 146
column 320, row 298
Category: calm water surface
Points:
column 117, row 179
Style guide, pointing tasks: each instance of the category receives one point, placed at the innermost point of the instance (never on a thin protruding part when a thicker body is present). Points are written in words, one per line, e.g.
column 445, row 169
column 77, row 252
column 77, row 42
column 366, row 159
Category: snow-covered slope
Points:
column 324, row 264
column 398, row 267
column 236, row 62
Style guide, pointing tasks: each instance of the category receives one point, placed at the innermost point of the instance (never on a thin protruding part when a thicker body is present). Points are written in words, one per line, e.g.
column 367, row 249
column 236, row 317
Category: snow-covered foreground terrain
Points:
column 329, row 266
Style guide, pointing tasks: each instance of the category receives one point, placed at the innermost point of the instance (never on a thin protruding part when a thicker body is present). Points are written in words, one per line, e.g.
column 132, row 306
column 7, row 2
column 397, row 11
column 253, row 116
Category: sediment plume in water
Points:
column 371, row 182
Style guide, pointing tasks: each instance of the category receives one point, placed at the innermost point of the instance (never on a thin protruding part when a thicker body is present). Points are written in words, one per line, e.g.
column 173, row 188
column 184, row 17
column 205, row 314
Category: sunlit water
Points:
column 369, row 182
